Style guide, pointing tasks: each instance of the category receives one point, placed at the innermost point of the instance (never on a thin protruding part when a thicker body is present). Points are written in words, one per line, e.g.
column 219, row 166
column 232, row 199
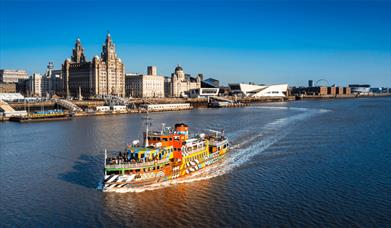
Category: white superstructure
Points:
column 253, row 90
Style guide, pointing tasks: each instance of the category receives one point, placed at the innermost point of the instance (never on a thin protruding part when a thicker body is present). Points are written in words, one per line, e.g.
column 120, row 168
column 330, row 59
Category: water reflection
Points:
column 164, row 207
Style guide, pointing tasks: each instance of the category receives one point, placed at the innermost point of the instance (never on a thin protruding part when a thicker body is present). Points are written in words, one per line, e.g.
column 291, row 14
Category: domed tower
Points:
column 179, row 73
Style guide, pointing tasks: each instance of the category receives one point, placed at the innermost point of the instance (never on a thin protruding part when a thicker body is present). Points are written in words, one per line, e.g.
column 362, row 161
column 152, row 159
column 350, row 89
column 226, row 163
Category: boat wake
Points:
column 242, row 152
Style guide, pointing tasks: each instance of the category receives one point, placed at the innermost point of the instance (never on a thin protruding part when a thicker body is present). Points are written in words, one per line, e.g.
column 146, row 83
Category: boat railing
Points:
column 187, row 153
column 136, row 165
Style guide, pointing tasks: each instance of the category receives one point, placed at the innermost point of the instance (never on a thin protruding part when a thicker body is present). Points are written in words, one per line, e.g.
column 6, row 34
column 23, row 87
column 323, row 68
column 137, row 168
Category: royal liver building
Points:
column 104, row 75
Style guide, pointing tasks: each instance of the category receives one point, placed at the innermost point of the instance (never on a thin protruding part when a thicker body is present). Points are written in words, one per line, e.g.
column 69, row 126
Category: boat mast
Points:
column 146, row 131
column 105, row 155
column 105, row 160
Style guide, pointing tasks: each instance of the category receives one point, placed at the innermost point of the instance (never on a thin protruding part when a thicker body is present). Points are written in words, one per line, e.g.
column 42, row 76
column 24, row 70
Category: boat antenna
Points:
column 163, row 126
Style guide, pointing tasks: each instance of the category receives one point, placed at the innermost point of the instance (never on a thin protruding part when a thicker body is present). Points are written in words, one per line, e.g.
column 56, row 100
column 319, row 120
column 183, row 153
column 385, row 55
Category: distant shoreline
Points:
column 194, row 102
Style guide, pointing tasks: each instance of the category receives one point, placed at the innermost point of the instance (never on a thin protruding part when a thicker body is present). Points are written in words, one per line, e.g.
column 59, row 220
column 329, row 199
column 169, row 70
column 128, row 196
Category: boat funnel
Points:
column 182, row 129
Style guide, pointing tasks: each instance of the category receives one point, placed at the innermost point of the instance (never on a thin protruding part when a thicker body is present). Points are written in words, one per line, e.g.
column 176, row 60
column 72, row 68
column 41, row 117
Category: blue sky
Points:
column 233, row 41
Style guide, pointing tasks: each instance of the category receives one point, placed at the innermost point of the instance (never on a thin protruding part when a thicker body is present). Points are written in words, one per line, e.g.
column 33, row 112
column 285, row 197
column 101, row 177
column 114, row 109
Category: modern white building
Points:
column 360, row 88
column 13, row 76
column 145, row 86
column 203, row 92
column 253, row 90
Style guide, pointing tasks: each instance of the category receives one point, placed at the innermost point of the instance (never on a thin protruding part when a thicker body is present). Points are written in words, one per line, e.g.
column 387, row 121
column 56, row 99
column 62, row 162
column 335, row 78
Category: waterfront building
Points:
column 253, row 90
column 167, row 87
column 129, row 84
column 321, row 91
column 104, row 75
column 204, row 92
column 145, row 86
column 36, row 85
column 209, row 87
column 210, row 83
column 12, row 76
column 181, row 83
column 360, row 88
column 54, row 79
column 377, row 90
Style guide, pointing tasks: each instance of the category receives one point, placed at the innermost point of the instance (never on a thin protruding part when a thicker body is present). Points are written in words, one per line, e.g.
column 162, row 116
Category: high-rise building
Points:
column 36, row 85
column 54, row 80
column 104, row 75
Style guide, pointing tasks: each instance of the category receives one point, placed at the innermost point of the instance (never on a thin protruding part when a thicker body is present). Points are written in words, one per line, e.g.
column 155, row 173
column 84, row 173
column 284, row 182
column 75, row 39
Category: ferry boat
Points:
column 165, row 155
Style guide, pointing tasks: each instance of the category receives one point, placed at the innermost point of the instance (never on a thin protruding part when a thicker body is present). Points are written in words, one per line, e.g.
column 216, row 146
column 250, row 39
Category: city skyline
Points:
column 343, row 42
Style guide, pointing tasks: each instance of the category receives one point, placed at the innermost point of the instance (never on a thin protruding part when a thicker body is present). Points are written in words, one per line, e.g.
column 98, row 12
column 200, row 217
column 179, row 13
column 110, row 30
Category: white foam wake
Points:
column 242, row 152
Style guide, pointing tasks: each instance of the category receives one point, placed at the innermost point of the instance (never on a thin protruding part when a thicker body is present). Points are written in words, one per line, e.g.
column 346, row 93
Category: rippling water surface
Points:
column 305, row 163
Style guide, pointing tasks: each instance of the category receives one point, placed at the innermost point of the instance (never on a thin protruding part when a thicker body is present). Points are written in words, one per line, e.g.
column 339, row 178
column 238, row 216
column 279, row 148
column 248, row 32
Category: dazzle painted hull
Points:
column 172, row 172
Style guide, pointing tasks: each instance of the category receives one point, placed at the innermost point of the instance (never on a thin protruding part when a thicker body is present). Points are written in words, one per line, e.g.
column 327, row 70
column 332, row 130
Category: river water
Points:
column 303, row 163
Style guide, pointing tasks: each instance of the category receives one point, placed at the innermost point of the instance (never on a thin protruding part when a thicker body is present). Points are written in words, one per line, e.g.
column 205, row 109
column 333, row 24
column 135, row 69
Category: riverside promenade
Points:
column 88, row 107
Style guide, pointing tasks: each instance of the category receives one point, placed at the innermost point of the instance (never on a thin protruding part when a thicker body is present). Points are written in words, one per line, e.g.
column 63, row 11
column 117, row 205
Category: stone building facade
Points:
column 145, row 86
column 104, row 75
column 181, row 84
